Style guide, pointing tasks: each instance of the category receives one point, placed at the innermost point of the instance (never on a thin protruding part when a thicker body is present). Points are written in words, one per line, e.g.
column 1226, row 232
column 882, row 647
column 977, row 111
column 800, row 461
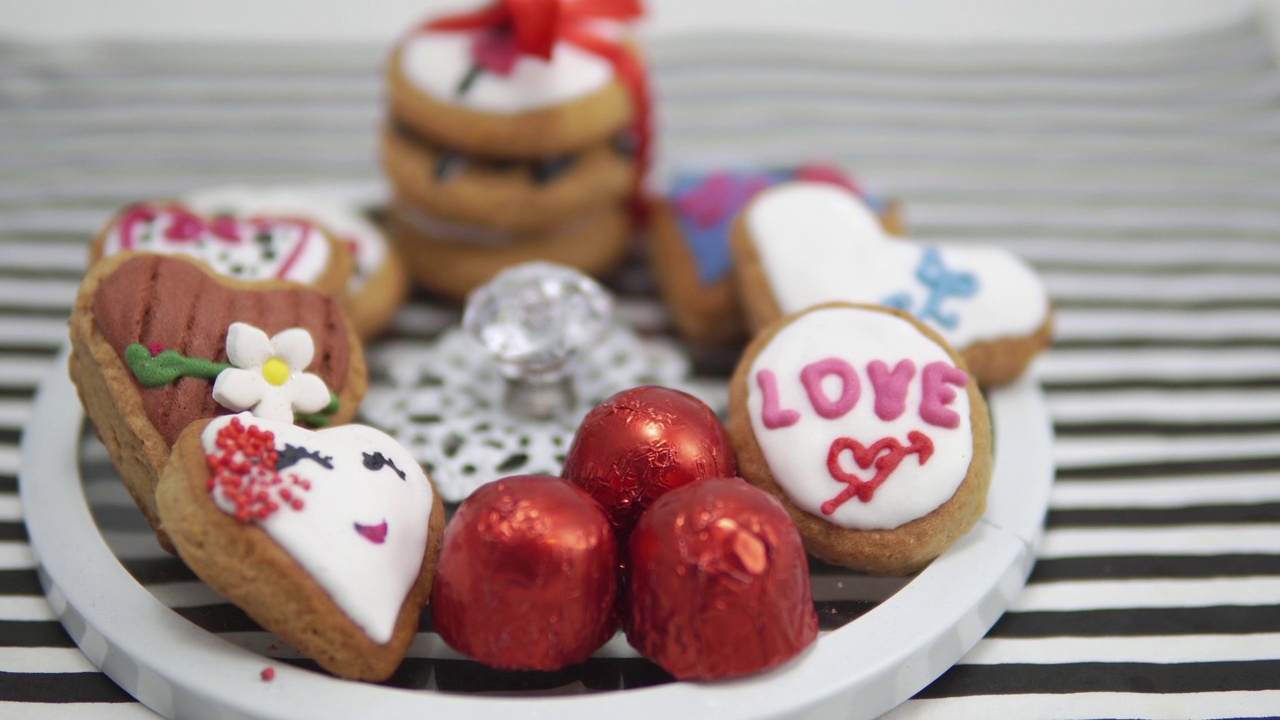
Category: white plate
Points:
column 861, row 669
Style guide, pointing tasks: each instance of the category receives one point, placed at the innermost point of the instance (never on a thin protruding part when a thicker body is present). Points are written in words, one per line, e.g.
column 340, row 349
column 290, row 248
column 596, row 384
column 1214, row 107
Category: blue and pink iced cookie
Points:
column 690, row 252
column 869, row 429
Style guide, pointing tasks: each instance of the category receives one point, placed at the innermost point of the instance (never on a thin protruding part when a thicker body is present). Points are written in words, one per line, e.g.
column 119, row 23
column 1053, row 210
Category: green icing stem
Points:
column 155, row 371
column 321, row 418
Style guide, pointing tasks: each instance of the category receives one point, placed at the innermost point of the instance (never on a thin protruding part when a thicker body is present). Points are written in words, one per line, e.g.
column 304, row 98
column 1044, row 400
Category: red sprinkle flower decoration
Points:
column 244, row 469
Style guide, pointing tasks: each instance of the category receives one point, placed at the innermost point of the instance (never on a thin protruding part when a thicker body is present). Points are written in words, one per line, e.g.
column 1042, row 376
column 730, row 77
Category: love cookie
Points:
column 868, row 428
column 327, row 538
column 160, row 341
column 801, row 244
column 259, row 247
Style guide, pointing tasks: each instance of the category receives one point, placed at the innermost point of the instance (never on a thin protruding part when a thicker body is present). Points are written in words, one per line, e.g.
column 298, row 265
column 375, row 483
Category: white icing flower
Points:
column 268, row 377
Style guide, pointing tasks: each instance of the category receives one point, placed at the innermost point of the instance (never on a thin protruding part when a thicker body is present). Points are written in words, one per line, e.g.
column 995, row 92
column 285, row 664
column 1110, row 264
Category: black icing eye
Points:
column 291, row 454
column 376, row 461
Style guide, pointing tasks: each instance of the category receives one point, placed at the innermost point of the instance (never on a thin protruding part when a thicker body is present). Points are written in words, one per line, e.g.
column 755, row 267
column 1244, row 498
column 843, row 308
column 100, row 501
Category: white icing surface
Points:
column 295, row 250
column 436, row 63
column 342, row 219
column 797, row 454
column 368, row 581
column 818, row 243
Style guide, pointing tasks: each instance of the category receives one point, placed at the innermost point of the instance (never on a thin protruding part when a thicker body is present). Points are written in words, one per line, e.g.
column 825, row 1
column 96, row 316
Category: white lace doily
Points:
column 444, row 401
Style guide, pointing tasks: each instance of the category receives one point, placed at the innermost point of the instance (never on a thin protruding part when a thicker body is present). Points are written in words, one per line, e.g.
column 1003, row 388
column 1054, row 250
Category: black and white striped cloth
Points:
column 1142, row 180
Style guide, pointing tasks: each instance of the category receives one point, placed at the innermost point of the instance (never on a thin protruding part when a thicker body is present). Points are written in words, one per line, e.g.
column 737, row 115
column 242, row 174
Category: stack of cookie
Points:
column 514, row 136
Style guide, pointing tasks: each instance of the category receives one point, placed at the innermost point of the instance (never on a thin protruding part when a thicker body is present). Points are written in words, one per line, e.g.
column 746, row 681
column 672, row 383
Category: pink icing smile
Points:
column 376, row 534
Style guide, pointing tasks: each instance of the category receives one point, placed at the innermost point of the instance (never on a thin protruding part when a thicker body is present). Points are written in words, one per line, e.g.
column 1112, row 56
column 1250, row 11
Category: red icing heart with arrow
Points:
column 885, row 454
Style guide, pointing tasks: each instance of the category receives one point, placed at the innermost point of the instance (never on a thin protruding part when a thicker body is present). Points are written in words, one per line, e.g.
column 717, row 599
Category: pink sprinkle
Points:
column 268, row 674
column 821, row 172
column 185, row 227
column 495, row 51
column 225, row 227
column 155, row 349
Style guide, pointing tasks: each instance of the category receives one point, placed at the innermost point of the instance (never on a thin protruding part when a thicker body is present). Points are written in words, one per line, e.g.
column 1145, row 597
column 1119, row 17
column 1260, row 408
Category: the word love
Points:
column 938, row 382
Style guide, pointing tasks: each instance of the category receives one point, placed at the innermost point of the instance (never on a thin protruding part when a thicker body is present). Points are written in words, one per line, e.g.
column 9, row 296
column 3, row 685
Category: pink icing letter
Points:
column 811, row 377
column 774, row 417
column 890, row 387
column 936, row 378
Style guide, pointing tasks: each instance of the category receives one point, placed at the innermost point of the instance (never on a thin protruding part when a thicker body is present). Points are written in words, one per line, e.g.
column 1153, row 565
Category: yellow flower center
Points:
column 275, row 371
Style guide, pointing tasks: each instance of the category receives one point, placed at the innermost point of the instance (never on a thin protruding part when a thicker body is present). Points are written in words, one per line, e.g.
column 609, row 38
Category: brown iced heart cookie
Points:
column 149, row 337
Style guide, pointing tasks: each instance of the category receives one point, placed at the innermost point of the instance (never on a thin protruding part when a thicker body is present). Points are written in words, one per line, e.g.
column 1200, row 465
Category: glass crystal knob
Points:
column 535, row 320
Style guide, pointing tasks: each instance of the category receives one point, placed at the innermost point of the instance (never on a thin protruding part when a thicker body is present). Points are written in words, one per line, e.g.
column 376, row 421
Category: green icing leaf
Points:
column 155, row 371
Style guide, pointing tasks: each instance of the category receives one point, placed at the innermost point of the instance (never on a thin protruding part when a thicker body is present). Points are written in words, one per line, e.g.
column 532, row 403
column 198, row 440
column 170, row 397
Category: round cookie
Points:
column 517, row 195
column 867, row 427
column 258, row 247
column 450, row 258
column 327, row 538
column 378, row 283
column 539, row 107
column 802, row 243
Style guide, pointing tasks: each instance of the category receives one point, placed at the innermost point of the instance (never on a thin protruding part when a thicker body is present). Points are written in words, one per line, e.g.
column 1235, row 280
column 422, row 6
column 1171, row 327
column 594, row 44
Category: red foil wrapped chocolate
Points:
column 527, row 576
column 642, row 442
column 719, row 582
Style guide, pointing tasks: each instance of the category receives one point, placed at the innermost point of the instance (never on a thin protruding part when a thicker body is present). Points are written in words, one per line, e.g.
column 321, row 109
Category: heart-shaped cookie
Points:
column 800, row 244
column 867, row 427
column 378, row 282
column 149, row 335
column 259, row 247
column 328, row 538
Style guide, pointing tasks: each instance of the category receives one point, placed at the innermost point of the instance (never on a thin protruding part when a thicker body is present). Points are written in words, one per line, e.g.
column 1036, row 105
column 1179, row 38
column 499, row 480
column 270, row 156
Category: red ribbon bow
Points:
column 537, row 25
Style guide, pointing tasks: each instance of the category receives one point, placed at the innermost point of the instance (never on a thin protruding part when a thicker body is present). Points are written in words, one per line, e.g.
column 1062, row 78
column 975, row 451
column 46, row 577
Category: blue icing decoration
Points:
column 705, row 207
column 898, row 301
column 877, row 203
column 940, row 283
